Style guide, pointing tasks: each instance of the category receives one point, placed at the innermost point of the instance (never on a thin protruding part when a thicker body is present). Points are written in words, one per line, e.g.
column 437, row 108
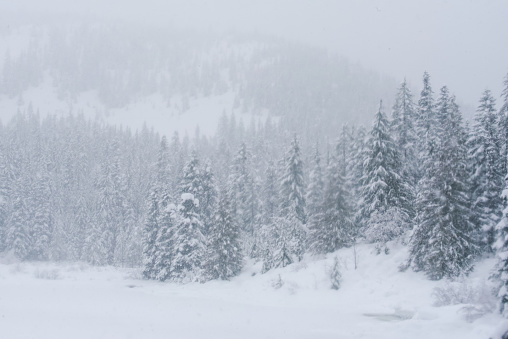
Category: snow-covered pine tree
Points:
column 503, row 127
column 189, row 243
column 42, row 219
column 315, row 189
column 270, row 194
column 164, row 242
column 224, row 255
column 403, row 131
column 333, row 226
column 292, row 184
column 385, row 188
column 208, row 202
column 501, row 248
column 485, row 170
column 242, row 198
column 425, row 120
column 18, row 233
column 192, row 177
column 442, row 243
column 150, row 234
column 159, row 195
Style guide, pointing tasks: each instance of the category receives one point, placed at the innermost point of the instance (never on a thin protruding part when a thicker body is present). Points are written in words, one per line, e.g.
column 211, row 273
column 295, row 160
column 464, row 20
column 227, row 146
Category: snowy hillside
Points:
column 374, row 301
column 172, row 78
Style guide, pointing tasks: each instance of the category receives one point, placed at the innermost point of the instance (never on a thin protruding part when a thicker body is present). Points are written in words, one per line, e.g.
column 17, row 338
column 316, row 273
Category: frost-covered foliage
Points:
column 189, row 247
column 486, row 166
column 501, row 248
column 225, row 258
column 443, row 244
column 404, row 131
column 332, row 226
column 292, row 185
column 385, row 186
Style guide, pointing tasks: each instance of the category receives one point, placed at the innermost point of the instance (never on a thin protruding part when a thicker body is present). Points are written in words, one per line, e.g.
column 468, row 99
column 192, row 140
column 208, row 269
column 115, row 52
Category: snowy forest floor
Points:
column 49, row 300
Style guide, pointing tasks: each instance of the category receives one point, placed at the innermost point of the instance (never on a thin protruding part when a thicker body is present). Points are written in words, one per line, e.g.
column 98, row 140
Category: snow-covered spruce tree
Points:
column 111, row 203
column 18, row 233
column 164, row 242
column 42, row 220
column 485, row 172
column 385, row 188
column 425, row 122
column 315, row 189
column 292, row 185
column 442, row 243
column 242, row 199
column 333, row 227
column 501, row 248
column 192, row 177
column 225, row 258
column 208, row 201
column 159, row 194
column 270, row 194
column 189, row 243
column 355, row 168
column 503, row 125
column 150, row 233
column 403, row 131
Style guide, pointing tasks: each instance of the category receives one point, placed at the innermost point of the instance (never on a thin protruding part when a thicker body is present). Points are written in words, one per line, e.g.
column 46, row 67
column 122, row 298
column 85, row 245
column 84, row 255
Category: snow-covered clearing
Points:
column 39, row 300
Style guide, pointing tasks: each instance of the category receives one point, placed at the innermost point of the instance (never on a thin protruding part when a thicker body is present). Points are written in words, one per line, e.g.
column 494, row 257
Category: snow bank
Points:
column 374, row 301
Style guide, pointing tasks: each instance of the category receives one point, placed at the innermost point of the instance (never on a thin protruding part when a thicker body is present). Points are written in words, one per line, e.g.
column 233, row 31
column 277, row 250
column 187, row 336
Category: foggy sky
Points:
column 462, row 43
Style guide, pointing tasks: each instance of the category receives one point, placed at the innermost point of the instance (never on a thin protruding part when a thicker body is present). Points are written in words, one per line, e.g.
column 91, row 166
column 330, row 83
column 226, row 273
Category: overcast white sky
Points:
column 462, row 43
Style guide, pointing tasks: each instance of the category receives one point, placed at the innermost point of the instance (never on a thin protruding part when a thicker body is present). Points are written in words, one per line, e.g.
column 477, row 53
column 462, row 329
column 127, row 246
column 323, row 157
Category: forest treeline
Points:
column 193, row 209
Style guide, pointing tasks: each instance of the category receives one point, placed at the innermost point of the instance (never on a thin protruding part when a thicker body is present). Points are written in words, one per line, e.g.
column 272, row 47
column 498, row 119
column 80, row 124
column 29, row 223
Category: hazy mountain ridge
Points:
column 102, row 69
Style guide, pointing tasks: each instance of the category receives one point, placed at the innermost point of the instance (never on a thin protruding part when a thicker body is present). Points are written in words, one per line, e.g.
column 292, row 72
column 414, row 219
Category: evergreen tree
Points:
column 486, row 177
column 333, row 227
column 403, row 131
column 501, row 248
column 224, row 255
column 151, row 232
column 192, row 177
column 242, row 190
column 189, row 242
column 164, row 247
column 315, row 188
column 425, row 120
column 208, row 200
column 384, row 186
column 270, row 194
column 442, row 244
column 292, row 185
column 42, row 222
column 158, row 203
column 503, row 128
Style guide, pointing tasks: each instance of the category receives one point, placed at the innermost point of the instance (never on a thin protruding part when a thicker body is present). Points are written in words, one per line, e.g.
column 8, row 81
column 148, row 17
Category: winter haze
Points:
column 253, row 169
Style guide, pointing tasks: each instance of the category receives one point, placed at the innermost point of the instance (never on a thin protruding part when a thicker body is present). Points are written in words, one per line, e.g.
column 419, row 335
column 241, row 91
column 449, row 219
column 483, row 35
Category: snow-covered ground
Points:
column 42, row 300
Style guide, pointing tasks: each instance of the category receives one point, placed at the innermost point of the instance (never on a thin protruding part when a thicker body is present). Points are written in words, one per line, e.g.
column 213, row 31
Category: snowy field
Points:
column 39, row 300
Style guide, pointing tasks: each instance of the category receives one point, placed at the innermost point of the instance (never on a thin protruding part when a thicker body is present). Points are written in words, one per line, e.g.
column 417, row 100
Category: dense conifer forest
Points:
column 195, row 209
